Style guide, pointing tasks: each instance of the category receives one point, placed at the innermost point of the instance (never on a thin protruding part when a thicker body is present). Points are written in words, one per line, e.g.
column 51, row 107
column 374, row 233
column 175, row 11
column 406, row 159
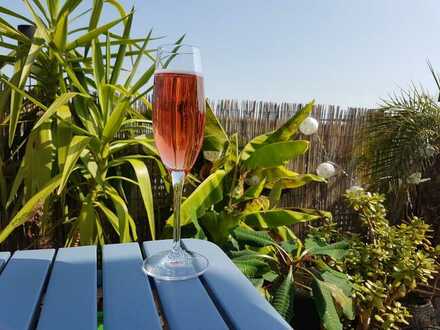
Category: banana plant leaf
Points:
column 252, row 268
column 276, row 217
column 325, row 305
column 218, row 225
column 275, row 154
column 208, row 193
column 215, row 136
column 252, row 237
column 283, row 134
column 336, row 250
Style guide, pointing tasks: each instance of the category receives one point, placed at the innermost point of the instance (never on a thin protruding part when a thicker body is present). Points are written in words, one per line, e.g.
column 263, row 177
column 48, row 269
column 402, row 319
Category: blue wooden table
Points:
column 62, row 289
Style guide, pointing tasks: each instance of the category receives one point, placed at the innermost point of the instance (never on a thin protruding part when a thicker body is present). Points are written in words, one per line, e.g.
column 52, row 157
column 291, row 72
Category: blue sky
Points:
column 349, row 53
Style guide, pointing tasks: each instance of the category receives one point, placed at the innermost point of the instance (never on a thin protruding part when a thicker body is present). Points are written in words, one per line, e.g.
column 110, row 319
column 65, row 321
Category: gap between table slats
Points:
column 186, row 304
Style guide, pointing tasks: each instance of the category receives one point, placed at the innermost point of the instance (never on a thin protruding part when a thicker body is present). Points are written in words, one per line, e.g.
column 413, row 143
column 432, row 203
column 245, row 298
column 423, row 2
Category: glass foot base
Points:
column 175, row 265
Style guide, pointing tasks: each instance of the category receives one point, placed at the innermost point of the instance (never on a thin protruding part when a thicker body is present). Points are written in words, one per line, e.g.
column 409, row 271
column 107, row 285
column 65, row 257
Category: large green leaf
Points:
column 218, row 225
column 283, row 297
column 77, row 145
column 208, row 193
column 275, row 154
column 283, row 134
column 325, row 305
column 29, row 208
column 336, row 250
column 252, row 268
column 215, row 135
column 276, row 217
column 252, row 237
column 341, row 288
column 296, row 181
column 143, row 178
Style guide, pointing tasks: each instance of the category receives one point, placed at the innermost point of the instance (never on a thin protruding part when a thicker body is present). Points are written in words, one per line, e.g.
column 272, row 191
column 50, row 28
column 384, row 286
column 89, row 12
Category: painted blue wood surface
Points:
column 4, row 257
column 70, row 302
column 186, row 304
column 21, row 284
column 244, row 306
column 128, row 299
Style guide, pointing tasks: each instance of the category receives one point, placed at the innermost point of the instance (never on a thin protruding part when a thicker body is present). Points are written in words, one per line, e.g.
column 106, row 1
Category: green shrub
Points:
column 385, row 262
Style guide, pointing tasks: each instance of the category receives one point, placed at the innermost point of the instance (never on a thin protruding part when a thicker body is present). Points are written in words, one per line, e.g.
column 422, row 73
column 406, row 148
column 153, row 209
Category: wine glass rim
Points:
column 171, row 49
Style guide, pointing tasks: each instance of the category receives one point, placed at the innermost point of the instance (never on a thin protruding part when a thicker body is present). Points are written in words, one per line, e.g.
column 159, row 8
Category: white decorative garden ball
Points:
column 326, row 170
column 309, row 126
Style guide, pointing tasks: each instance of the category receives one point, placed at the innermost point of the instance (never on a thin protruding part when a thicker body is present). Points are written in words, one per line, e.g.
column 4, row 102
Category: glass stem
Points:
column 178, row 180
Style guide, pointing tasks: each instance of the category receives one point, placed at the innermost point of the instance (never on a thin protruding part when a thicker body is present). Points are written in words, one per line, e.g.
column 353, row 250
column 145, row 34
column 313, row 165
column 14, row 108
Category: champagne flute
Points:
column 178, row 126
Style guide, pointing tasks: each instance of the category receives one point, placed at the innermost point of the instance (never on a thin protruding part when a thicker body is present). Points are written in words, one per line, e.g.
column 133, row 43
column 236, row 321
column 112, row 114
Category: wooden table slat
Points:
column 186, row 304
column 70, row 302
column 128, row 299
column 4, row 257
column 244, row 306
column 21, row 284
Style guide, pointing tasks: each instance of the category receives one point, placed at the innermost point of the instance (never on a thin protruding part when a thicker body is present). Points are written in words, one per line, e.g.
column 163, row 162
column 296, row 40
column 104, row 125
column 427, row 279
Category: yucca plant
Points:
column 74, row 163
